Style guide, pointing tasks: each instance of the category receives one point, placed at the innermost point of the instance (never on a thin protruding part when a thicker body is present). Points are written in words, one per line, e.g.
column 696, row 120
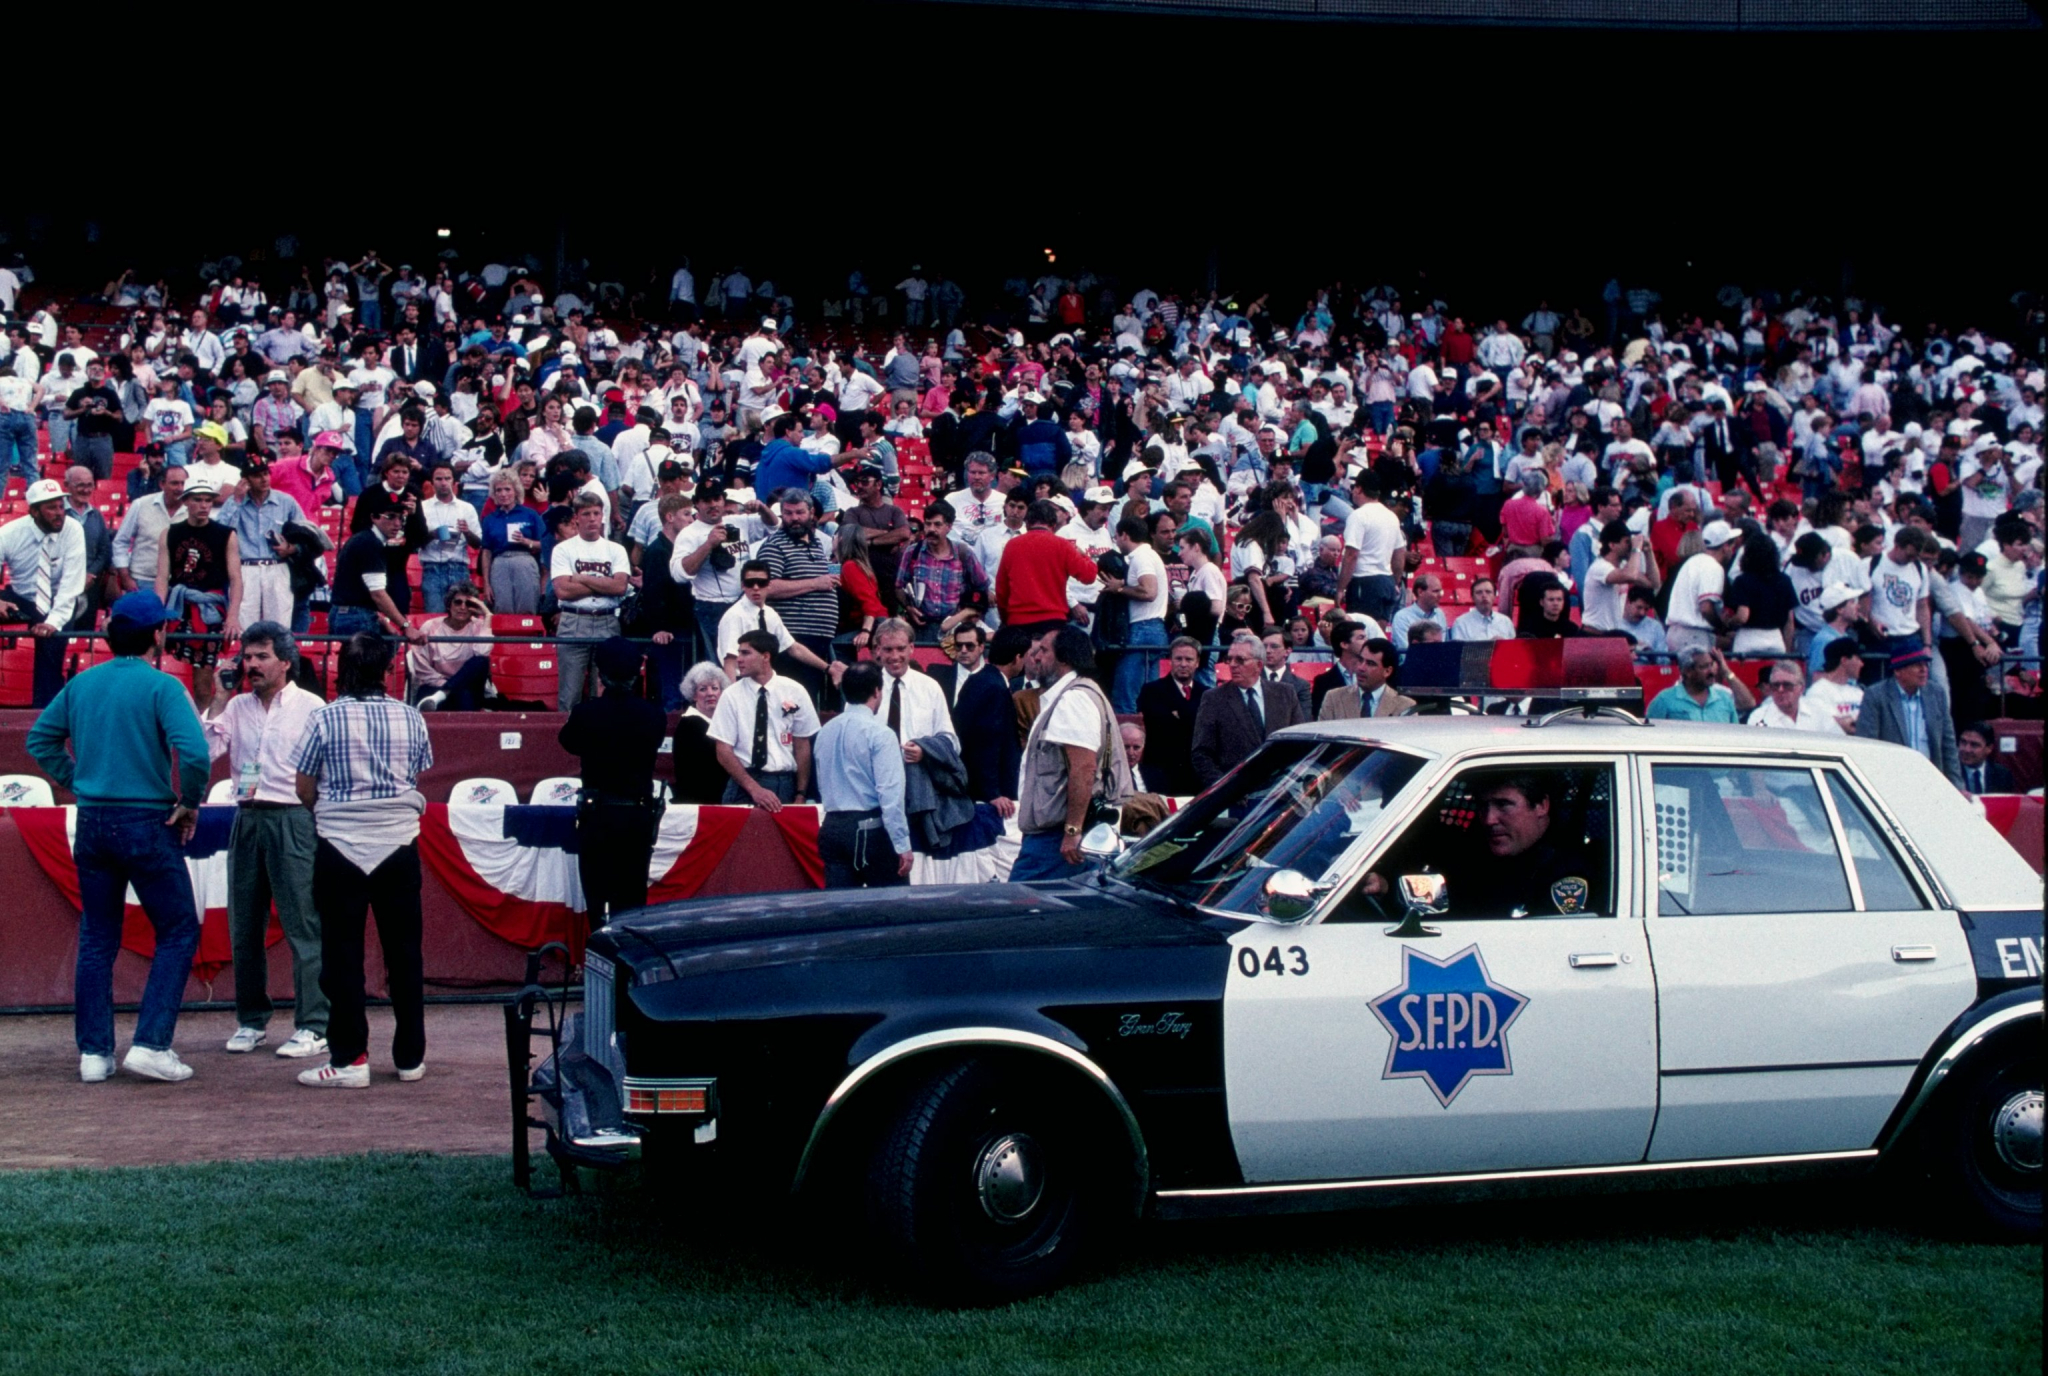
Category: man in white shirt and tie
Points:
column 913, row 705
column 44, row 555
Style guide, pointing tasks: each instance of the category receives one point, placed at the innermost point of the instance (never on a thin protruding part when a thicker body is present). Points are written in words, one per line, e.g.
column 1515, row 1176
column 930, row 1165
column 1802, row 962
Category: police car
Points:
column 1395, row 960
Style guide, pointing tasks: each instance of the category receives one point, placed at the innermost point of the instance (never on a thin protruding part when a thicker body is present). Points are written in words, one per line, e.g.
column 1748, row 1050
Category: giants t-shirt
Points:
column 580, row 558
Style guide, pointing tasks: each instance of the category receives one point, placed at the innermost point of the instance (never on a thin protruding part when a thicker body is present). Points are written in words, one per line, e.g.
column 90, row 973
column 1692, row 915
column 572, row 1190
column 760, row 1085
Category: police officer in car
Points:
column 618, row 736
column 1523, row 868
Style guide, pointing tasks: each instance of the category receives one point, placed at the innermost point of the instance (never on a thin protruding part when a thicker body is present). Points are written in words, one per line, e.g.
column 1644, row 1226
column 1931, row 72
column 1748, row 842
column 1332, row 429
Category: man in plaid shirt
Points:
column 359, row 769
column 938, row 576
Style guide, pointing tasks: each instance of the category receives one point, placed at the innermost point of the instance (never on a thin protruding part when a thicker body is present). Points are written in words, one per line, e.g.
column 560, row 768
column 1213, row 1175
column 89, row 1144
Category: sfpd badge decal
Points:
column 1448, row 1021
column 1569, row 894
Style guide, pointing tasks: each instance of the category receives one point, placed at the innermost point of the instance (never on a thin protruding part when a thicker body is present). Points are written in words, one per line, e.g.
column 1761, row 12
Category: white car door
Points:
column 1491, row 1042
column 1795, row 994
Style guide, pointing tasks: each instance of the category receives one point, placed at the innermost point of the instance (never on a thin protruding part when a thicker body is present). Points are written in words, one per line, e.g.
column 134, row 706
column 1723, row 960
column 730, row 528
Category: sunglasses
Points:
column 754, row 582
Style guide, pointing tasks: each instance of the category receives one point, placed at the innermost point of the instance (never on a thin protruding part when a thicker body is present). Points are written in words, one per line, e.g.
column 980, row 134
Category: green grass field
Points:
column 400, row 1264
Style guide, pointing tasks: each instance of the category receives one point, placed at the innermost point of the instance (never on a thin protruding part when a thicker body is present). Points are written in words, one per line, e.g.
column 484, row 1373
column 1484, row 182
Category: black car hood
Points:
column 719, row 935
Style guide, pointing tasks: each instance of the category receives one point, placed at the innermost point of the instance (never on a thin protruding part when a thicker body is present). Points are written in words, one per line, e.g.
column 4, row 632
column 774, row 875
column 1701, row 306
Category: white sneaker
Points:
column 418, row 1072
column 247, row 1039
column 156, row 1065
column 332, row 1076
column 304, row 1043
column 94, row 1069
column 431, row 702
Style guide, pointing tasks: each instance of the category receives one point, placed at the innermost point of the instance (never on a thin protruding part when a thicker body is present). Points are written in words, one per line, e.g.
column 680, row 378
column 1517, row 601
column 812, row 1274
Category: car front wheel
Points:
column 985, row 1186
column 1991, row 1145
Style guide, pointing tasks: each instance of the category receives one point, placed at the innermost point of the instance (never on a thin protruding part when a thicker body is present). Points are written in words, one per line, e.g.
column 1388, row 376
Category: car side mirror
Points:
column 1290, row 896
column 1423, row 895
column 1101, row 842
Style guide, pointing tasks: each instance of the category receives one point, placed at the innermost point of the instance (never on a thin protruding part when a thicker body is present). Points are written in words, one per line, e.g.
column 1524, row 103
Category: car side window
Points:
column 1520, row 841
column 1733, row 839
column 1878, row 871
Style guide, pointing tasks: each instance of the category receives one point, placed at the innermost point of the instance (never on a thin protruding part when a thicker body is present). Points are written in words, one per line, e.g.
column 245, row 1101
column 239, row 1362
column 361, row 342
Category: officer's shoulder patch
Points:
column 1570, row 894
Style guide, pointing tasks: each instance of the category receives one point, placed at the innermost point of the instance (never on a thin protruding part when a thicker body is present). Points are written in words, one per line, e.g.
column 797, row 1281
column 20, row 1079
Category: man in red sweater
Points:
column 1031, row 580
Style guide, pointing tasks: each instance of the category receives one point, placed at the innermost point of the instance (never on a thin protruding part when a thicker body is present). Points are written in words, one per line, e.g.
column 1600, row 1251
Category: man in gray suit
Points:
column 1908, row 710
column 1239, row 713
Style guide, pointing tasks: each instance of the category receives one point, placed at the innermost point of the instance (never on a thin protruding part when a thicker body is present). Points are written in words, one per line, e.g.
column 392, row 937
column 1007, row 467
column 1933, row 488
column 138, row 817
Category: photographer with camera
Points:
column 708, row 553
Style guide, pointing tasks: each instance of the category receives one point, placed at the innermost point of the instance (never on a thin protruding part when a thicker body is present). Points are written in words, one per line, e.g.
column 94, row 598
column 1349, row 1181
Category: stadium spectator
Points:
column 1238, row 714
column 762, row 730
column 1484, row 621
column 1908, row 709
column 271, row 849
column 1706, row 691
column 447, row 673
column 1786, row 705
column 589, row 576
column 44, row 555
column 864, row 839
column 358, row 767
column 1031, row 582
column 124, row 740
column 1072, row 761
column 1977, row 757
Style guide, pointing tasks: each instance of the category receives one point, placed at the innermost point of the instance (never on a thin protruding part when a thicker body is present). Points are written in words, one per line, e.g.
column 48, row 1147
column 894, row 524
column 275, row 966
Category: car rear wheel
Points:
column 1990, row 1146
column 985, row 1185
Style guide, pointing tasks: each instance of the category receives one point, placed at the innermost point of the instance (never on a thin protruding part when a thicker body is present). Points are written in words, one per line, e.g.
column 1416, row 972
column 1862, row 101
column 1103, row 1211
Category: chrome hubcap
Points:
column 2016, row 1131
column 1009, row 1177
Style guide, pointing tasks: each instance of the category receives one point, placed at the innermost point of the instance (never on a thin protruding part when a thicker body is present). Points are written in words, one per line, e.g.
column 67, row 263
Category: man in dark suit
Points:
column 1275, row 648
column 1906, row 709
column 984, row 718
column 1168, row 706
column 1240, row 713
column 1977, row 752
column 1348, row 639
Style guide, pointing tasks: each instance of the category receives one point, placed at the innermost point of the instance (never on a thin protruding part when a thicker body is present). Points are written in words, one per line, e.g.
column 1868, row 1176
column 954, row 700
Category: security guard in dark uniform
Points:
column 1525, row 864
column 617, row 735
column 1526, row 871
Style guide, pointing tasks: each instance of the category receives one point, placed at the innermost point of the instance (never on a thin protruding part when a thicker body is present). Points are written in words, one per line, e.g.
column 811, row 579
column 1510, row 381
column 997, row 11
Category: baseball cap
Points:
column 199, row 487
column 423, row 390
column 768, row 323
column 1718, row 533
column 45, row 490
column 670, row 470
column 213, row 432
column 136, row 610
column 276, row 375
column 1836, row 594
column 1909, row 654
column 1100, row 495
column 330, row 439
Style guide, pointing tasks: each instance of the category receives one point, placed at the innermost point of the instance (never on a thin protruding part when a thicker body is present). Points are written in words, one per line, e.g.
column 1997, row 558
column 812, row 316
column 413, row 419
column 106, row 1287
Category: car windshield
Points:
column 1297, row 805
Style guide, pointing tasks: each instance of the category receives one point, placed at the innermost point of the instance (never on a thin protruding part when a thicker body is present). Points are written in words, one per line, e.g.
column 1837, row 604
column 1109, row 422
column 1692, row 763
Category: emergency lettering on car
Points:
column 1448, row 1020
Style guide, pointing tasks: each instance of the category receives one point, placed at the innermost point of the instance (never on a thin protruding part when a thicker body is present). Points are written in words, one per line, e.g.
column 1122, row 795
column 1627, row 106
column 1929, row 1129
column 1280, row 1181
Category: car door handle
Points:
column 1908, row 953
column 1590, row 960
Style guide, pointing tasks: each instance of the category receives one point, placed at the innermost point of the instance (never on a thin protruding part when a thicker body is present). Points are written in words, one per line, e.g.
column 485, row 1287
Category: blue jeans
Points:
column 1039, row 858
column 116, row 847
column 348, row 474
column 669, row 663
column 436, row 579
column 366, row 440
column 350, row 620
column 18, row 446
column 1381, row 415
column 1136, row 667
column 708, row 617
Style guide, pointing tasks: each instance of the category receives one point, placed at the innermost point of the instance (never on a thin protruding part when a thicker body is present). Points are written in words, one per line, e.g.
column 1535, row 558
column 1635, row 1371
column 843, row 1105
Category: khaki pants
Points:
column 270, row 860
column 266, row 594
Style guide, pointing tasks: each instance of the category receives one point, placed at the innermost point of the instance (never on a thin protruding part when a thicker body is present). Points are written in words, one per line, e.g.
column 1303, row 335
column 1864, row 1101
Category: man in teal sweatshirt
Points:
column 138, row 765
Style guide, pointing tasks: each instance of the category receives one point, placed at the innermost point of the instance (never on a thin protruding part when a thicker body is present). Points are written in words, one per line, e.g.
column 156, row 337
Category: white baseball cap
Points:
column 45, row 490
column 1718, row 533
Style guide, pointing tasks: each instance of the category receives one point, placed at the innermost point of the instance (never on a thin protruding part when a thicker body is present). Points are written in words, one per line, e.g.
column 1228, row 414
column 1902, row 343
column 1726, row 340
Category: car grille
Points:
column 600, row 1015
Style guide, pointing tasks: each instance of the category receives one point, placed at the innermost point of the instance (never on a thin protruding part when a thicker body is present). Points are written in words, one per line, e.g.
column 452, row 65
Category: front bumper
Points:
column 569, row 1095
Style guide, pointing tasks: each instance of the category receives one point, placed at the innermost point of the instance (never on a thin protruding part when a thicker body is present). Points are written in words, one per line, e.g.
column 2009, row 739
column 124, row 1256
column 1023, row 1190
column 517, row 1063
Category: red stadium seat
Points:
column 17, row 671
column 516, row 624
column 525, row 672
column 1655, row 678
